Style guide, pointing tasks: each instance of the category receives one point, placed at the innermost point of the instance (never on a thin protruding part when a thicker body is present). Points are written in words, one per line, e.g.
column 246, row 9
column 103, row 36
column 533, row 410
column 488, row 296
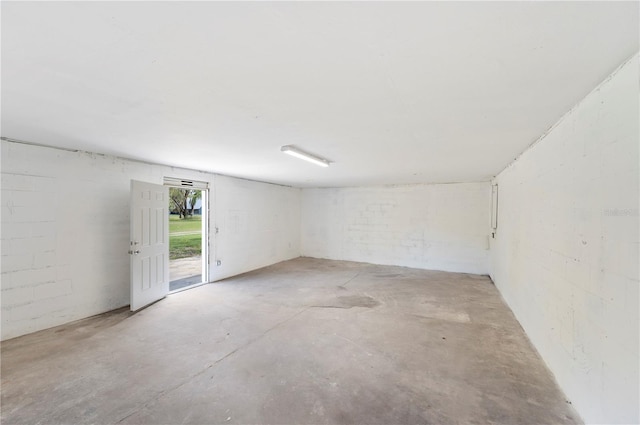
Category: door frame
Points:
column 203, row 186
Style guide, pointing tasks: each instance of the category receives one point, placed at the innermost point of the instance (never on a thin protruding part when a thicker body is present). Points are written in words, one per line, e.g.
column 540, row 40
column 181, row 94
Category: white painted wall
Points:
column 565, row 257
column 65, row 231
column 259, row 225
column 438, row 226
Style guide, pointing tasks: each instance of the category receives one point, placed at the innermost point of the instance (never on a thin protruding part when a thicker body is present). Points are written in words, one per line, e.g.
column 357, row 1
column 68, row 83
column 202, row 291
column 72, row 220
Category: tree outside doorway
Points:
column 185, row 237
column 185, row 223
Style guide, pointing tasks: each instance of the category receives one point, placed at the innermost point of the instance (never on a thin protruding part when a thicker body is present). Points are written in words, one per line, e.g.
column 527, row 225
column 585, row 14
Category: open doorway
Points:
column 187, row 235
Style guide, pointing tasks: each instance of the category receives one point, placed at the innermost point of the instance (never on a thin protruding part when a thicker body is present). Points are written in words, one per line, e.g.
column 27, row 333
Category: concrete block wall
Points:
column 565, row 257
column 65, row 231
column 259, row 225
column 430, row 226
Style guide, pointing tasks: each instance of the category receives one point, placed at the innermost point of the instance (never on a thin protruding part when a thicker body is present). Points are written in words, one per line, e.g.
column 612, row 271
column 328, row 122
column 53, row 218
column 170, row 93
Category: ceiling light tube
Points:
column 293, row 151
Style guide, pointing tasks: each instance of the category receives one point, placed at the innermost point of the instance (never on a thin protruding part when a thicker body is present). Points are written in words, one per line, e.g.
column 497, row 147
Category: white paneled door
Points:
column 149, row 246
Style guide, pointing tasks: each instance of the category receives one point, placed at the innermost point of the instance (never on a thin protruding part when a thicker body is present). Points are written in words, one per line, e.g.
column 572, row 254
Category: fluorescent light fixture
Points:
column 293, row 151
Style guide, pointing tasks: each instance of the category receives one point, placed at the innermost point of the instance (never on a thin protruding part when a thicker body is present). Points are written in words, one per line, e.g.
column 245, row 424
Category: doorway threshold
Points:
column 184, row 283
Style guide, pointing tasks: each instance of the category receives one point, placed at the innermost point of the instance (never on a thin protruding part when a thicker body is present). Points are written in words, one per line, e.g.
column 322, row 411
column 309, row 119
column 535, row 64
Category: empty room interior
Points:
column 320, row 212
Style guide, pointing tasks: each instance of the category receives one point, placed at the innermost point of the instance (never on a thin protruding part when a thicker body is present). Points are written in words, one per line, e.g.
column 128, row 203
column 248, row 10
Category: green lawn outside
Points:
column 182, row 246
column 185, row 246
column 193, row 223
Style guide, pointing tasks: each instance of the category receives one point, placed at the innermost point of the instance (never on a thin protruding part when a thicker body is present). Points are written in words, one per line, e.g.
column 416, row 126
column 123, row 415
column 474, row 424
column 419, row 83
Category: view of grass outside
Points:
column 185, row 236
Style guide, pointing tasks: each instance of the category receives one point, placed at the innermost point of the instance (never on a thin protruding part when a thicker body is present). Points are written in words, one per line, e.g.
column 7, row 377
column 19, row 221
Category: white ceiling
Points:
column 390, row 92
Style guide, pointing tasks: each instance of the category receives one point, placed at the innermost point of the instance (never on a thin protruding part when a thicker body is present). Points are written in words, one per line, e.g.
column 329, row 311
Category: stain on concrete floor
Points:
column 350, row 301
column 414, row 346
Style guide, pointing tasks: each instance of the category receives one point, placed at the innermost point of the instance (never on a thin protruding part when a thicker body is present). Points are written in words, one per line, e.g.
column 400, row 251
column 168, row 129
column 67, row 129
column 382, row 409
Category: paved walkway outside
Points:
column 185, row 272
column 190, row 232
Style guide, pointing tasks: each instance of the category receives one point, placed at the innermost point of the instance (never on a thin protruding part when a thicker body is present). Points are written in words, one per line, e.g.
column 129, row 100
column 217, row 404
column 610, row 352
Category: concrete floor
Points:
column 304, row 341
